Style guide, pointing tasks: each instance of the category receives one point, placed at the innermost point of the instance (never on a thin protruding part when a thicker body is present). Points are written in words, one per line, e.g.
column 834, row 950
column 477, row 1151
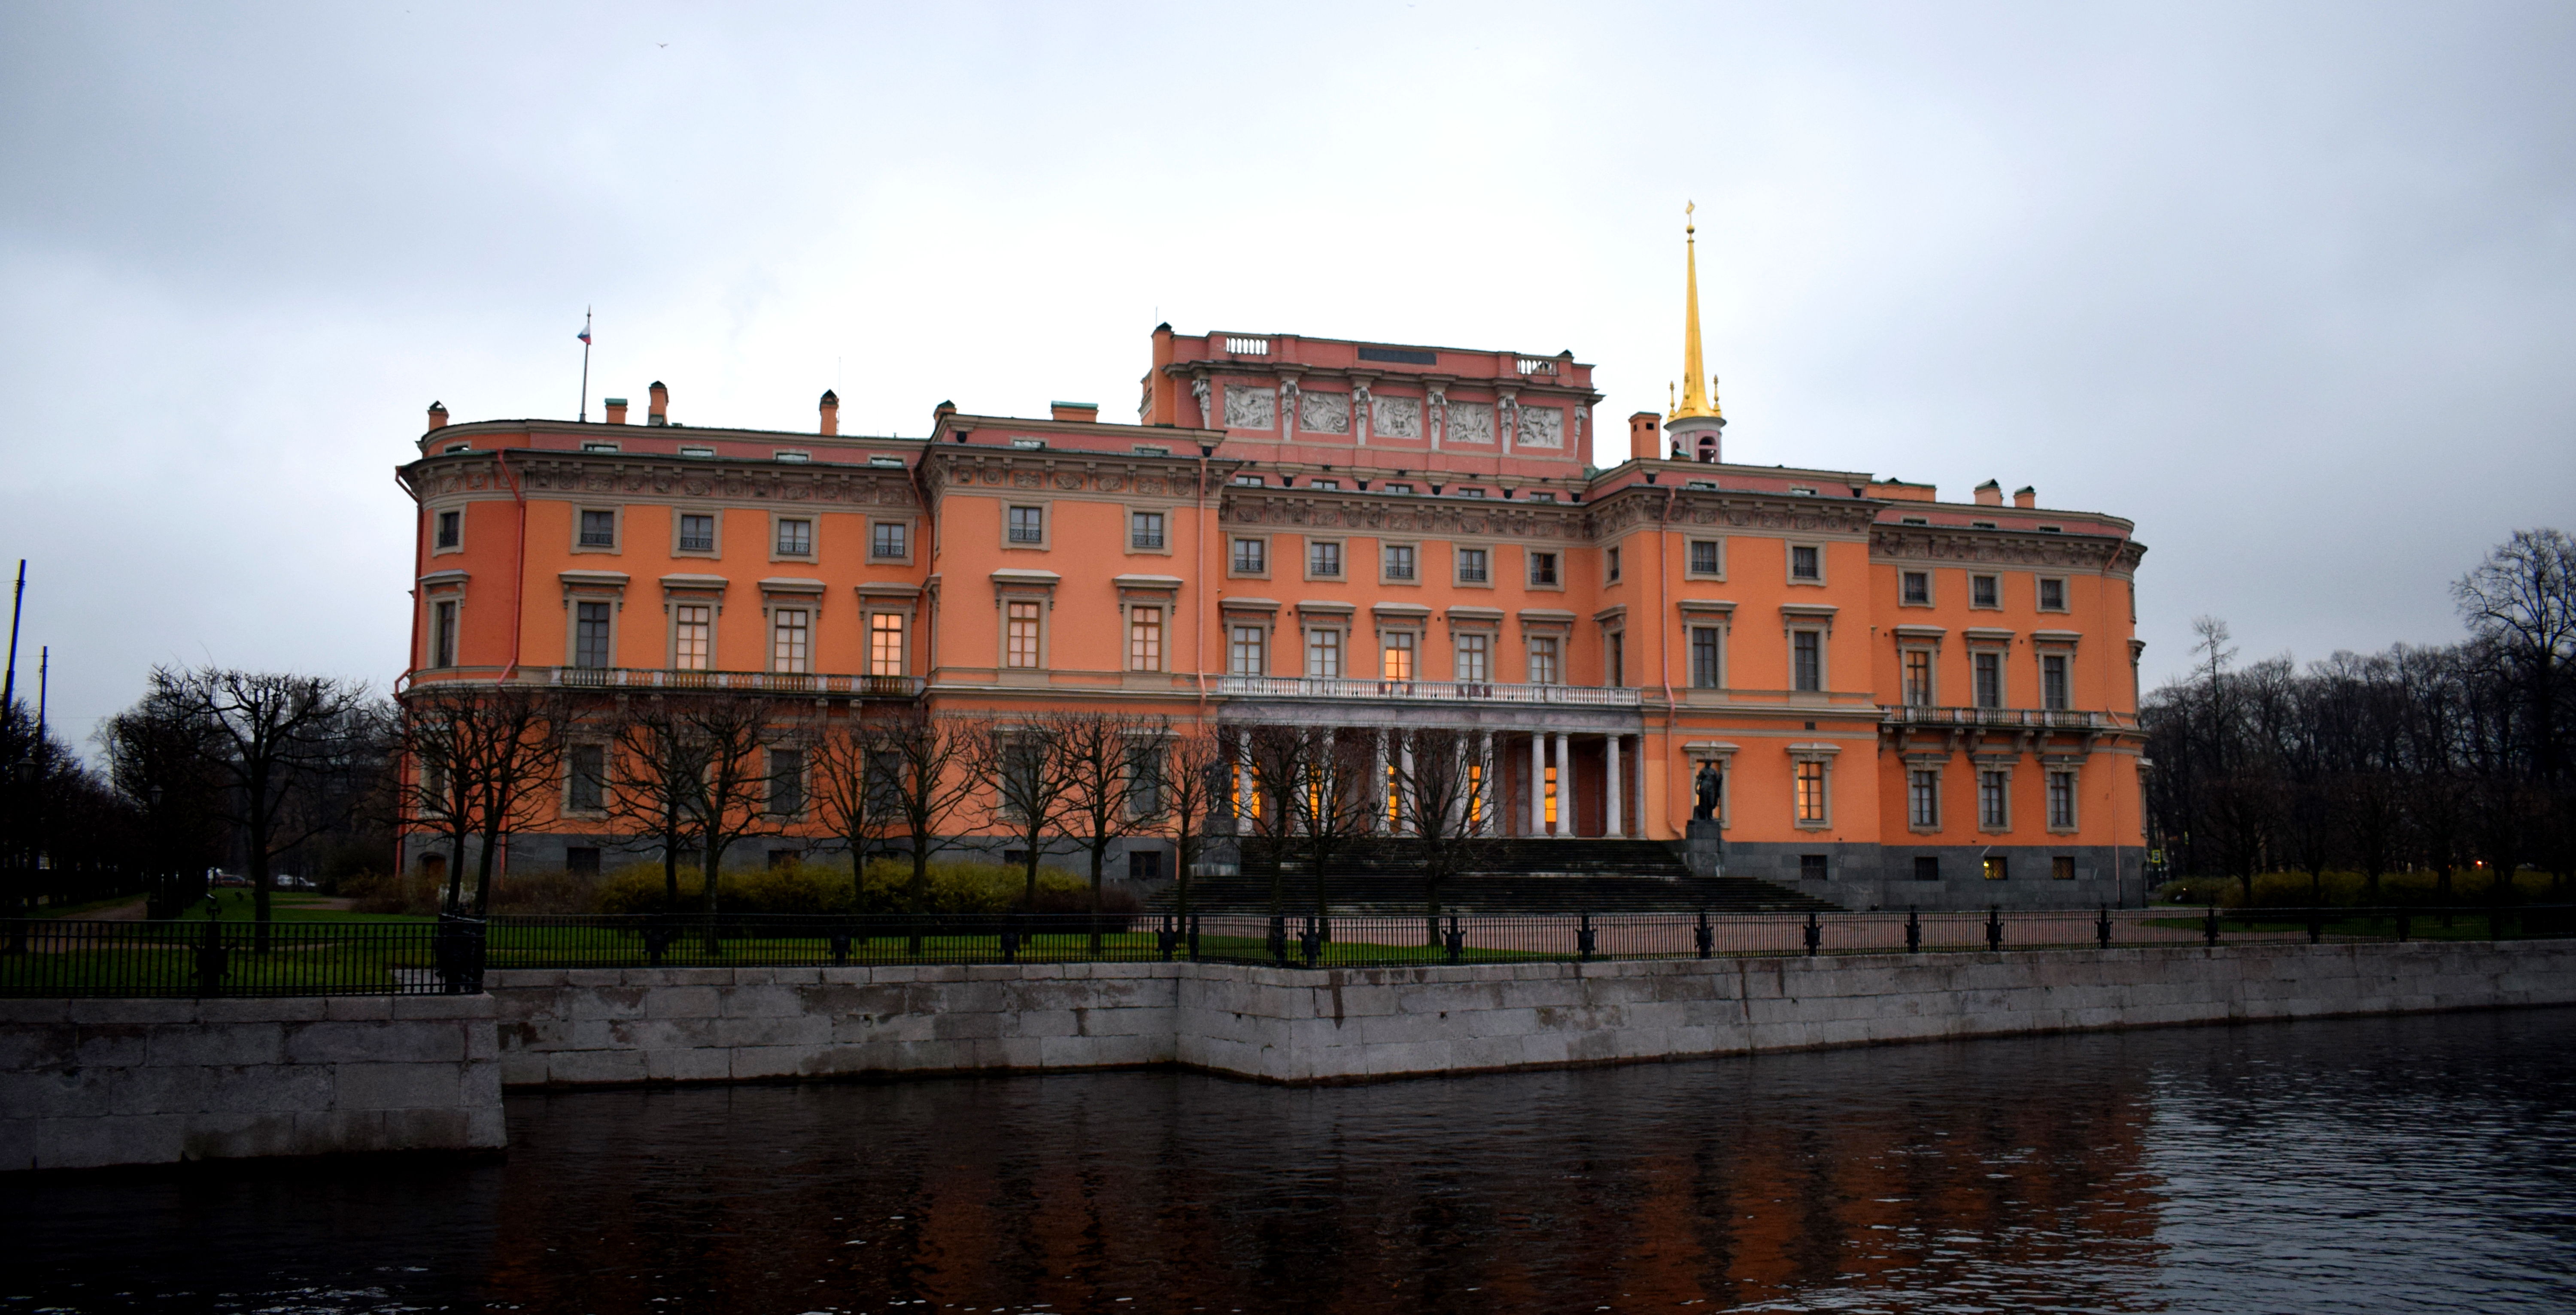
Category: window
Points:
column 1249, row 481
column 1144, row 792
column 1028, row 524
column 1811, row 867
column 1990, row 680
column 1331, row 484
column 1324, row 560
column 1395, row 488
column 1251, row 556
column 2052, row 595
column 1542, row 661
column 884, row 462
column 1474, row 658
column 1615, row 645
column 1145, row 530
column 442, row 634
column 796, row 538
column 889, row 540
column 1399, row 561
column 1981, row 525
column 1020, row 636
column 1245, row 657
column 1029, row 444
column 692, row 633
column 786, row 782
column 1923, row 799
column 1811, row 792
column 1542, row 568
column 1469, row 493
column 1927, row 868
column 1542, row 497
column 1144, row 639
column 791, row 454
column 1916, row 588
column 697, row 533
column 1994, row 800
column 1611, row 562
column 2052, row 682
column 1324, row 654
column 581, row 860
column 1396, row 653
column 2061, row 801
column 1984, row 592
column 1914, row 520
column 586, row 781
column 885, row 644
column 791, row 646
column 451, row 528
column 1996, row 868
column 1918, row 678
column 590, row 635
column 1806, row 562
column 1471, row 566
column 599, row 529
column 2062, row 868
column 1704, row 658
column 1807, row 651
column 1704, row 559
column 695, row 450
column 1150, row 450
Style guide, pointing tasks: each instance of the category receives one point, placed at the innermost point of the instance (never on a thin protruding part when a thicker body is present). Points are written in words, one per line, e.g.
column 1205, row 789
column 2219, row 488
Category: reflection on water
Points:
column 2411, row 1164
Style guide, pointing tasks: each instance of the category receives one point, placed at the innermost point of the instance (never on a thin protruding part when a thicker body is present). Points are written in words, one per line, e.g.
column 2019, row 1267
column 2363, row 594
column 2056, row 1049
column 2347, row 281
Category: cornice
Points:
column 1045, row 470
column 1944, row 545
column 1402, row 514
column 1377, row 375
column 1723, row 509
column 636, row 475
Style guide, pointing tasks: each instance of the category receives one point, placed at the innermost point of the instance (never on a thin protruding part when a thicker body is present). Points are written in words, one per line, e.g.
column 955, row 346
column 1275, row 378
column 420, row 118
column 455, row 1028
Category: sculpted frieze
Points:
column 1932, row 545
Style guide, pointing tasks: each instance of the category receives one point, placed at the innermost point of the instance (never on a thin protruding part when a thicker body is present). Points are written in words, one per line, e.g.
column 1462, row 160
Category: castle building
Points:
column 1888, row 699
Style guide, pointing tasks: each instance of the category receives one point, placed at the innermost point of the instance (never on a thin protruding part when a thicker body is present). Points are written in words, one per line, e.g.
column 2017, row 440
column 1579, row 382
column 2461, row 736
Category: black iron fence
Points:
column 63, row 957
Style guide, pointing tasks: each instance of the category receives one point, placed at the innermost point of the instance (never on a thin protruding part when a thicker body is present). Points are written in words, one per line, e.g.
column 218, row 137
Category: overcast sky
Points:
column 2291, row 286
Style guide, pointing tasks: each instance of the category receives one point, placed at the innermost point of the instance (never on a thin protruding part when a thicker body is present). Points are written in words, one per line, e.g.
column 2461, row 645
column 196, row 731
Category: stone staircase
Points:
column 1513, row 875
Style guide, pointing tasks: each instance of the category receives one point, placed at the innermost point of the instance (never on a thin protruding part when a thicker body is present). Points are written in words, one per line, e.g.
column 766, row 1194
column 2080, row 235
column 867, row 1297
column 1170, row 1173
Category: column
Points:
column 1458, row 796
column 1610, row 757
column 1404, row 823
column 1485, row 793
column 1243, row 783
column 1564, row 784
column 1377, row 825
column 1538, row 783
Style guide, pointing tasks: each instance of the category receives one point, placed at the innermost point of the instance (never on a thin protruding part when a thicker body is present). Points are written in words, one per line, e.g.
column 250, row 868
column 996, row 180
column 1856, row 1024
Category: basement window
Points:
column 459, row 447
column 1029, row 444
column 890, row 462
column 790, row 454
column 694, row 450
column 594, row 446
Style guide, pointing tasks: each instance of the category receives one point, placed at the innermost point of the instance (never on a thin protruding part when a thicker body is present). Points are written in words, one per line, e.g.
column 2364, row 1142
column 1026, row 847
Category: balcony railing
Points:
column 2013, row 718
column 753, row 682
column 1466, row 691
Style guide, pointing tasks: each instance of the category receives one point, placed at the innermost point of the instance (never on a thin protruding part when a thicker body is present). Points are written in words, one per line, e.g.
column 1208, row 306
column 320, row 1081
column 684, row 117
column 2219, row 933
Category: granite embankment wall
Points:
column 678, row 1025
column 91, row 1083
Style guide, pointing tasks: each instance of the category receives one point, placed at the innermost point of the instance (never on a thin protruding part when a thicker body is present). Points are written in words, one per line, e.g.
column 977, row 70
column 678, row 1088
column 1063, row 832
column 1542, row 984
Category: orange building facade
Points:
column 1886, row 699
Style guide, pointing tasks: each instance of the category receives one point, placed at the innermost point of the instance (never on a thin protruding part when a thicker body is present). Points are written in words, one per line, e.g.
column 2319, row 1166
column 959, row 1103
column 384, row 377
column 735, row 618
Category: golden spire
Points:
column 1694, row 402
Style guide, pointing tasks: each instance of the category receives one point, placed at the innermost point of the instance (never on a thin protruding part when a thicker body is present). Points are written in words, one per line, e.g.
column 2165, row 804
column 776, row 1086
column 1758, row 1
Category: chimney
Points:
column 438, row 415
column 616, row 409
column 1080, row 413
column 1990, row 494
column 1645, row 441
column 831, row 412
column 2025, row 496
column 659, row 413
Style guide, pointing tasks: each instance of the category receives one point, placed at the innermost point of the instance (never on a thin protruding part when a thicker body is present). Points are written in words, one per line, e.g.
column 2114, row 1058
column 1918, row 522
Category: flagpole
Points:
column 585, row 365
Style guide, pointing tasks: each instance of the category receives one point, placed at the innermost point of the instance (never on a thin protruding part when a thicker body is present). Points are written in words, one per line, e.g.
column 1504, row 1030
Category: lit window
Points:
column 795, row 538
column 1918, row 678
column 2062, row 867
column 2052, row 595
column 1703, row 658
column 1245, row 657
column 1984, row 592
column 442, row 635
column 691, row 636
column 1144, row 639
column 1990, row 680
column 1399, row 561
column 1398, row 654
column 1145, row 529
column 1474, row 658
column 1918, row 588
column 2052, row 682
column 1542, row 567
column 1251, row 556
column 1994, row 800
column 1324, row 653
column 599, row 529
column 1806, row 563
column 590, row 635
column 889, row 540
column 791, row 646
column 451, row 528
column 1996, row 868
column 697, row 534
column 1028, row 524
column 1471, row 566
column 1021, row 636
column 1542, row 661
column 1811, row 791
column 1807, row 647
column 1703, row 557
column 885, row 644
column 2061, row 800
column 1923, row 798
column 1324, row 559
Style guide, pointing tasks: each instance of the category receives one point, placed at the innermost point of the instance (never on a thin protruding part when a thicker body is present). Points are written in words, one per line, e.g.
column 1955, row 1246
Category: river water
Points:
column 2417, row 1164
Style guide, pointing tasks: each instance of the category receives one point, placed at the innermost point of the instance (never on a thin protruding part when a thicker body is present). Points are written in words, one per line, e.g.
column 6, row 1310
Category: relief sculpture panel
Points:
column 1396, row 417
column 1471, row 422
column 1542, row 426
column 1324, row 413
column 1251, row 408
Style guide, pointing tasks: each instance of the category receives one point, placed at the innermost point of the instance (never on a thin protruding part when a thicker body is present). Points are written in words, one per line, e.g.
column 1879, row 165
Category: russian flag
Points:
column 585, row 336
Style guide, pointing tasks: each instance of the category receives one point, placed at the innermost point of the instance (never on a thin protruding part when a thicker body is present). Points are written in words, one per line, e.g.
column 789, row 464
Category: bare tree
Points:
column 165, row 764
column 732, row 799
column 844, row 766
column 2522, row 600
column 657, row 767
column 1334, row 802
column 1444, row 791
column 1113, row 782
column 1032, row 798
column 1194, row 771
column 485, row 763
column 271, row 734
column 926, row 764
column 1275, row 759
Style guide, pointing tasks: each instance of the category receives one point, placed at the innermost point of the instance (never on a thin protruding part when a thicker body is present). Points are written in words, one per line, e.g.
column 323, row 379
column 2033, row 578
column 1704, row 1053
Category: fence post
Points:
column 1279, row 939
column 2404, row 924
column 1457, row 940
column 2316, row 926
column 1994, row 926
column 1583, row 940
column 1913, row 930
column 2102, row 929
column 1815, row 934
column 1165, row 938
column 2209, row 932
column 1702, row 936
column 1312, row 942
column 210, row 959
column 1194, row 938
